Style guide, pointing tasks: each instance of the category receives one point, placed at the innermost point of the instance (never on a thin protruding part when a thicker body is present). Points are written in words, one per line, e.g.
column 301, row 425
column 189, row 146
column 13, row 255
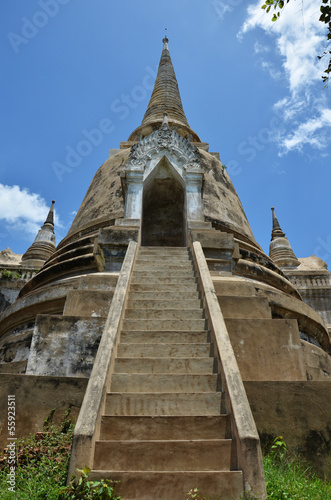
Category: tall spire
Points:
column 165, row 99
column 44, row 244
column 280, row 249
column 50, row 216
column 276, row 229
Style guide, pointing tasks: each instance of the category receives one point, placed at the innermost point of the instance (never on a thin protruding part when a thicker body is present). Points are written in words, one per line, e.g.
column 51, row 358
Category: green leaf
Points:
column 87, row 470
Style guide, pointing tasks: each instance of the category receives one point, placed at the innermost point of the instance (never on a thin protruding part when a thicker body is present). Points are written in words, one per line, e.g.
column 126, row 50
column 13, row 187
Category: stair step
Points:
column 162, row 250
column 142, row 382
column 133, row 485
column 154, row 260
column 164, row 280
column 165, row 324
column 161, row 294
column 180, row 288
column 164, row 365
column 161, row 428
column 165, row 337
column 163, row 273
column 164, row 304
column 167, row 455
column 164, row 350
column 147, row 265
column 169, row 314
column 160, row 404
column 163, row 258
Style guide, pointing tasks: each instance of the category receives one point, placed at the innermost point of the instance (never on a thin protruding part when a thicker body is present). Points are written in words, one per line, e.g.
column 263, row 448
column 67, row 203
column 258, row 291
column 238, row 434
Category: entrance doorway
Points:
column 163, row 215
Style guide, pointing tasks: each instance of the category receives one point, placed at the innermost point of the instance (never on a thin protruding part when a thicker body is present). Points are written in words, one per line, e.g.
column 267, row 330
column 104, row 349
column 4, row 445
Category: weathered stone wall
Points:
column 313, row 281
column 64, row 346
column 298, row 411
column 11, row 283
column 320, row 300
column 221, row 201
column 104, row 198
column 9, row 290
column 35, row 398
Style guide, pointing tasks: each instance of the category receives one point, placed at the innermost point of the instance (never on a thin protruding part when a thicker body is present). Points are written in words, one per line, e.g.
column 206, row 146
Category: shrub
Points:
column 41, row 463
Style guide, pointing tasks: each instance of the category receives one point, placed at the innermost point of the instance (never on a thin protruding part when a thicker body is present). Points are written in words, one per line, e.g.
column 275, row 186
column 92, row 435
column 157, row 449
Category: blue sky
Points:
column 251, row 88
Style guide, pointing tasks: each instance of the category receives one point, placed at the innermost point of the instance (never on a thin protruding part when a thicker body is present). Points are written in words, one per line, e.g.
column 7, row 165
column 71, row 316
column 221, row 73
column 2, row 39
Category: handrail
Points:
column 248, row 456
column 88, row 422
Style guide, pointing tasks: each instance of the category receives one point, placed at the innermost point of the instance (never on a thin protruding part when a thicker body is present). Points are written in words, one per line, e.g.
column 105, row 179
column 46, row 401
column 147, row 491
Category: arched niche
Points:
column 164, row 207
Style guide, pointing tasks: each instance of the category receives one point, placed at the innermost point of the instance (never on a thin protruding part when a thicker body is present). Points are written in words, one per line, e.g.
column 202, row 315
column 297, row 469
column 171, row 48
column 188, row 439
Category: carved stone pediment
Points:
column 163, row 148
column 164, row 139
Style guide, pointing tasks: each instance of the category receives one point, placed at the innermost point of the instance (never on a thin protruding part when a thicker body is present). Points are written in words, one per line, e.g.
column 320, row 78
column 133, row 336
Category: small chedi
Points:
column 17, row 269
column 178, row 343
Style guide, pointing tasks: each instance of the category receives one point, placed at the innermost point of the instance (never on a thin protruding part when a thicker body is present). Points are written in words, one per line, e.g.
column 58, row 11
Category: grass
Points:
column 42, row 469
column 292, row 479
column 43, row 463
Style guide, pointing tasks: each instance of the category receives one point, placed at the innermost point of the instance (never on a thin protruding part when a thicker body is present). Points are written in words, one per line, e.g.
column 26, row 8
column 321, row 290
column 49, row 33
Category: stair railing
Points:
column 247, row 442
column 87, row 428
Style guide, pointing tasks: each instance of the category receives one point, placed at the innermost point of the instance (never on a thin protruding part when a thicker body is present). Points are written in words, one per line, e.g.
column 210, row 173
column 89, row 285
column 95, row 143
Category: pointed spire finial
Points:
column 50, row 216
column 276, row 229
column 165, row 39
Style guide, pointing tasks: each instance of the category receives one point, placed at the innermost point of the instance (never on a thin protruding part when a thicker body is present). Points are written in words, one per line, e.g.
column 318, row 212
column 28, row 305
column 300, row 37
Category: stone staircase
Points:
column 163, row 431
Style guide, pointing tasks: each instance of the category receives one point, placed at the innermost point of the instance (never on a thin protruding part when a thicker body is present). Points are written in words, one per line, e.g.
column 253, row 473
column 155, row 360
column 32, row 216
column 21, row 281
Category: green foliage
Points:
column 287, row 478
column 277, row 4
column 82, row 488
column 41, row 464
column 278, row 448
column 325, row 18
column 42, row 468
column 194, row 494
column 6, row 274
column 290, row 478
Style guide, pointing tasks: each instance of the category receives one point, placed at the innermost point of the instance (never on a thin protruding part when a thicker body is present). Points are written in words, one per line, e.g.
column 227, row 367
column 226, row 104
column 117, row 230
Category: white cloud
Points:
column 298, row 37
column 22, row 210
column 310, row 132
column 290, row 107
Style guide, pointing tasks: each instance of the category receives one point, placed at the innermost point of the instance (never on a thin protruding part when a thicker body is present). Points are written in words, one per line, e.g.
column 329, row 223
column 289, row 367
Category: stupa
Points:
column 165, row 327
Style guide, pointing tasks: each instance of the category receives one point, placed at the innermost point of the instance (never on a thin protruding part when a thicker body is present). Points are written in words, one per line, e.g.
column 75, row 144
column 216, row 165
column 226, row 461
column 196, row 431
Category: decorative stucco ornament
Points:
column 164, row 139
